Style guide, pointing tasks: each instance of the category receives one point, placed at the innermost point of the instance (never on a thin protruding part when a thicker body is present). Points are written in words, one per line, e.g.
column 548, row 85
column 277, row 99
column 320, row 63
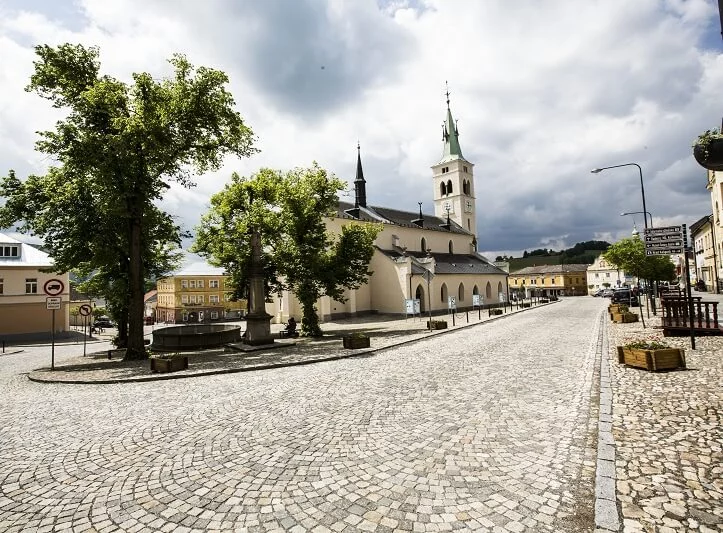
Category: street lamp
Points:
column 639, row 213
column 642, row 187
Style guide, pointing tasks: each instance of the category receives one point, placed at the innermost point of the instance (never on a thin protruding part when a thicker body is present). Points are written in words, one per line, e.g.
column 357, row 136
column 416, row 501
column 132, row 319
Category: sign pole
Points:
column 52, row 344
column 687, row 288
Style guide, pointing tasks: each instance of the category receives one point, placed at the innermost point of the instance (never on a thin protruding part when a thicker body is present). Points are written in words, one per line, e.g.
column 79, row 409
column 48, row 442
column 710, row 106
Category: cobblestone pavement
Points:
column 488, row 428
column 668, row 431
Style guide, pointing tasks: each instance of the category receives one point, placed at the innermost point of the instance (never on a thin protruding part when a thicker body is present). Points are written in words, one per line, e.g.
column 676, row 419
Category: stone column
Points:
column 258, row 321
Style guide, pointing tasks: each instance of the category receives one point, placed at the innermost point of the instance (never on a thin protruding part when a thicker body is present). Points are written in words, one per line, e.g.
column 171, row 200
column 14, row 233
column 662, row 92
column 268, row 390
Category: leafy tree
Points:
column 117, row 149
column 629, row 255
column 299, row 253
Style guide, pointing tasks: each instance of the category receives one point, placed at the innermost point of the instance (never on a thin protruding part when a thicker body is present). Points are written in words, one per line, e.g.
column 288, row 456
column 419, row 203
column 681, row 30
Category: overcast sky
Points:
column 544, row 91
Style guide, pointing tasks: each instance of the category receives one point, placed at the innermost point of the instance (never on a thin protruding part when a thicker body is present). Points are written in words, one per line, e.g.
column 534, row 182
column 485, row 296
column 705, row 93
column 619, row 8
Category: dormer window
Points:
column 9, row 250
column 445, row 170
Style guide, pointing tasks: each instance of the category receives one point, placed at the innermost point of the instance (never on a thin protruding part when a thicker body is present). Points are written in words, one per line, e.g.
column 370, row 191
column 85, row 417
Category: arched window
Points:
column 419, row 295
column 460, row 293
column 444, row 293
column 442, row 189
column 424, row 244
column 499, row 289
column 465, row 187
column 449, row 186
column 451, row 247
column 475, row 290
column 469, row 226
column 488, row 290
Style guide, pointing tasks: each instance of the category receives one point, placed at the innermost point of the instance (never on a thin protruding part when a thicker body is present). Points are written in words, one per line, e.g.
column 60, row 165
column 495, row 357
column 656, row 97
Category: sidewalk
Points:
column 384, row 332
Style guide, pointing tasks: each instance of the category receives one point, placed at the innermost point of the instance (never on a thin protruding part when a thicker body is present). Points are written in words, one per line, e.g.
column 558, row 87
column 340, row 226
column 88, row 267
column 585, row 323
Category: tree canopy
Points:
column 116, row 151
column 629, row 255
column 289, row 210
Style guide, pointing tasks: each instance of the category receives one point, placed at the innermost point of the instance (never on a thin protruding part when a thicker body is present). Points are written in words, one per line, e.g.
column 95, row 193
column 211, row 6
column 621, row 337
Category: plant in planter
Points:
column 708, row 149
column 437, row 324
column 356, row 340
column 651, row 355
column 168, row 362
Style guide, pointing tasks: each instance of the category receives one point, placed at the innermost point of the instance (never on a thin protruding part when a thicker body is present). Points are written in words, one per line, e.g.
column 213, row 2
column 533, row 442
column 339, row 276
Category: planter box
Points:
column 354, row 343
column 170, row 364
column 437, row 324
column 526, row 304
column 714, row 159
column 623, row 318
column 652, row 360
column 495, row 311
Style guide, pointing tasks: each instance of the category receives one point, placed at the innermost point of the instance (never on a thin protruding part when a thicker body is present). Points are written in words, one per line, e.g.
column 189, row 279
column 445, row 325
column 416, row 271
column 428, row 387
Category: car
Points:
column 607, row 293
column 103, row 322
column 624, row 296
column 598, row 292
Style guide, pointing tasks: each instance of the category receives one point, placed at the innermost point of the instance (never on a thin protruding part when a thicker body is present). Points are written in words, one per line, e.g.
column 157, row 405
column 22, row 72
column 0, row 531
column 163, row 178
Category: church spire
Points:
column 450, row 136
column 360, row 188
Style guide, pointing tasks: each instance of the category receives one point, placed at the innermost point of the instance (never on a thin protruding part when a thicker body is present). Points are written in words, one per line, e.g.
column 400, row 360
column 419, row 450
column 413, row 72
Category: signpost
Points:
column 85, row 310
column 53, row 288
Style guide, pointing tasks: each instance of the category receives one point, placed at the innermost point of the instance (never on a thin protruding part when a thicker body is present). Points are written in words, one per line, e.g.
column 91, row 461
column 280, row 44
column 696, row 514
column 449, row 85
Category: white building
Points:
column 603, row 275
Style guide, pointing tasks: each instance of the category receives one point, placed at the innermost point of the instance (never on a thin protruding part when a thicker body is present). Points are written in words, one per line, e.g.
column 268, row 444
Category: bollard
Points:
column 110, row 354
column 467, row 315
column 3, row 346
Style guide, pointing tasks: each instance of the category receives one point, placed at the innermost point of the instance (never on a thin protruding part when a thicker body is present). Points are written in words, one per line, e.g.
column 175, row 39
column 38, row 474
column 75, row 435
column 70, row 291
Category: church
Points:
column 421, row 261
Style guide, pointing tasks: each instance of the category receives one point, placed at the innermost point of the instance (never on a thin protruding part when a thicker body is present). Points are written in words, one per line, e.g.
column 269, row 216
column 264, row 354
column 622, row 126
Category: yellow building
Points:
column 549, row 280
column 198, row 293
column 23, row 306
column 422, row 261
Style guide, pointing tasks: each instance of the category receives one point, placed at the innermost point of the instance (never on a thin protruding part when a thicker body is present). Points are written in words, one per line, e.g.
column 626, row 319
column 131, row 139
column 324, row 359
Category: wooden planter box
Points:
column 526, row 304
column 623, row 318
column 652, row 360
column 495, row 311
column 354, row 343
column 437, row 324
column 169, row 364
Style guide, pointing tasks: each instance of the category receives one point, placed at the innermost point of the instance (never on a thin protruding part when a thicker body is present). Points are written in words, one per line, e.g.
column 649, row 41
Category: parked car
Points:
column 625, row 296
column 598, row 292
column 103, row 322
column 607, row 293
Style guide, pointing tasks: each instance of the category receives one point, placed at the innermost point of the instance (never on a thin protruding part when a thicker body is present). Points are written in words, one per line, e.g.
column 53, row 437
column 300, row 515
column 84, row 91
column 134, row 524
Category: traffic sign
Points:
column 663, row 230
column 53, row 287
column 664, row 251
column 85, row 310
column 53, row 302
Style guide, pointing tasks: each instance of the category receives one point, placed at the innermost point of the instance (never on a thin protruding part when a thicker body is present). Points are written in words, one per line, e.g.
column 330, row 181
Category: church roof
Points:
column 449, row 263
column 450, row 135
column 399, row 218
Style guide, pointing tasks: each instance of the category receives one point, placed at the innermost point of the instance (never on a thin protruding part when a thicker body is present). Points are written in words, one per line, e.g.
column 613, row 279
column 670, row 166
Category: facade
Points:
column 715, row 186
column 549, row 280
column 198, row 293
column 422, row 262
column 603, row 275
column 23, row 309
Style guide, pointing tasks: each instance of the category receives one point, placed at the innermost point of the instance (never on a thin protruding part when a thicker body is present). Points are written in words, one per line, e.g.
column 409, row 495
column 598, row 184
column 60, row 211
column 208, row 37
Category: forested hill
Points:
column 582, row 253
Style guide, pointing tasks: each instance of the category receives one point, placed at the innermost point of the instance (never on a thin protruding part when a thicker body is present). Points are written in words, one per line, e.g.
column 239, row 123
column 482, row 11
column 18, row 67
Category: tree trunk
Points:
column 136, row 348
column 310, row 319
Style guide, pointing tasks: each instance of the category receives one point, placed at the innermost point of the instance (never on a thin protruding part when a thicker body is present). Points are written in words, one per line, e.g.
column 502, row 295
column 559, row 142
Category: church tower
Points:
column 454, row 180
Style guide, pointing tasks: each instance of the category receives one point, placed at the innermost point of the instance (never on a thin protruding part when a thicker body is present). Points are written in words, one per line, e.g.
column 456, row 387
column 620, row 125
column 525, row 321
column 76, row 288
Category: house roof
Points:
column 399, row 218
column 29, row 255
column 199, row 268
column 698, row 225
column 449, row 263
column 550, row 269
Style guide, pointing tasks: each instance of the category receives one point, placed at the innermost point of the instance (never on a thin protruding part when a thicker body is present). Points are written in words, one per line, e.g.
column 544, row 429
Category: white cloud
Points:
column 543, row 93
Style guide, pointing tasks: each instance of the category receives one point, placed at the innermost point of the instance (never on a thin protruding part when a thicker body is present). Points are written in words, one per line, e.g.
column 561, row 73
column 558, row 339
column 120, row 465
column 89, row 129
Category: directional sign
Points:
column 664, row 241
column 85, row 310
column 664, row 251
column 664, row 230
column 53, row 287
column 53, row 302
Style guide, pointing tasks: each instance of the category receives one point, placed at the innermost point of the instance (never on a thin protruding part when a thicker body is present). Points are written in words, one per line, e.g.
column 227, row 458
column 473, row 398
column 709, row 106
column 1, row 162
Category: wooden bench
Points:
column 676, row 316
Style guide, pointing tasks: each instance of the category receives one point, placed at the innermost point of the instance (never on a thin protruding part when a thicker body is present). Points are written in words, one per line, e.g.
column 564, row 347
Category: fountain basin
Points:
column 194, row 337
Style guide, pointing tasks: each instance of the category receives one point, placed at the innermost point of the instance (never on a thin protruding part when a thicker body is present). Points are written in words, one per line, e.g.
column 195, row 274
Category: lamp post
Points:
column 639, row 213
column 642, row 187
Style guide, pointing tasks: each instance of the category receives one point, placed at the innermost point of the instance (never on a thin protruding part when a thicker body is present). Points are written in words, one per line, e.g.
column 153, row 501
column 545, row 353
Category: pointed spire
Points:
column 450, row 136
column 360, row 189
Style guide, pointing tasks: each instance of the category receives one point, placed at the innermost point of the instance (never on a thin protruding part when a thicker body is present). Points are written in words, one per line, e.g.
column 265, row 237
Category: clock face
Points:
column 469, row 205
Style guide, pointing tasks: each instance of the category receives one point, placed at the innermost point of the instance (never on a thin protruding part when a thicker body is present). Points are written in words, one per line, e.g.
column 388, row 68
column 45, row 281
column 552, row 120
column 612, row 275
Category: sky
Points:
column 543, row 92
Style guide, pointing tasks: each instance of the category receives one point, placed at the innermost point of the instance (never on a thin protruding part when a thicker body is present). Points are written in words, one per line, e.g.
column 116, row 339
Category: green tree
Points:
column 117, row 149
column 300, row 254
column 629, row 255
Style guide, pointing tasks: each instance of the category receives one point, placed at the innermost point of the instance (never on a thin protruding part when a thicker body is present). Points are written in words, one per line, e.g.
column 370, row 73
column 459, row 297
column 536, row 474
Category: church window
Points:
column 444, row 292
column 488, row 290
column 449, row 186
column 451, row 247
column 468, row 226
column 465, row 169
column 460, row 293
column 443, row 188
column 475, row 290
column 424, row 244
column 499, row 289
column 445, row 170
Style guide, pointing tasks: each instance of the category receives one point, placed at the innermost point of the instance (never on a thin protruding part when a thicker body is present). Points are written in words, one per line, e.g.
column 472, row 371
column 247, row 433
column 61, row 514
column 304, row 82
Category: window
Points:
column 1, row 285
column 451, row 247
column 214, row 315
column 192, row 284
column 213, row 284
column 9, row 251
column 449, row 186
column 443, row 189
column 597, row 275
column 552, row 281
column 185, row 317
column 424, row 244
column 184, row 298
column 213, row 298
column 31, row 286
column 443, row 292
column 184, row 283
column 465, row 168
column 199, row 284
column 460, row 293
column 607, row 274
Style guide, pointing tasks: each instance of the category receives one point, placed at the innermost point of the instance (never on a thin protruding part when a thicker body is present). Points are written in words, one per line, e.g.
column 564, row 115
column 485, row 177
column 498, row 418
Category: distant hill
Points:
column 582, row 253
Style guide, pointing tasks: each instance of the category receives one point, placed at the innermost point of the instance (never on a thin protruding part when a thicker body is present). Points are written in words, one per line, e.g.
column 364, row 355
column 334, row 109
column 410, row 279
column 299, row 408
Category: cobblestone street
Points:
column 489, row 428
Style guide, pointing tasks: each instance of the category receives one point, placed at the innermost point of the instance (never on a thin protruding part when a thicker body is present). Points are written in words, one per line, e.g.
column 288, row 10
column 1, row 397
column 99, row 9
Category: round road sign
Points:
column 85, row 310
column 53, row 287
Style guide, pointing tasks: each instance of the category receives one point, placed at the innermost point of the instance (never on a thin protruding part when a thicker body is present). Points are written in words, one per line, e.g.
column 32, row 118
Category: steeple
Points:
column 450, row 136
column 360, row 187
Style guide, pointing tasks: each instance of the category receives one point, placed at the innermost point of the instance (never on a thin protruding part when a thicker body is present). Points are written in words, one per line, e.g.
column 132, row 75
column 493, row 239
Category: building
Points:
column 24, row 288
column 549, row 280
column 603, row 275
column 715, row 186
column 198, row 293
column 422, row 262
